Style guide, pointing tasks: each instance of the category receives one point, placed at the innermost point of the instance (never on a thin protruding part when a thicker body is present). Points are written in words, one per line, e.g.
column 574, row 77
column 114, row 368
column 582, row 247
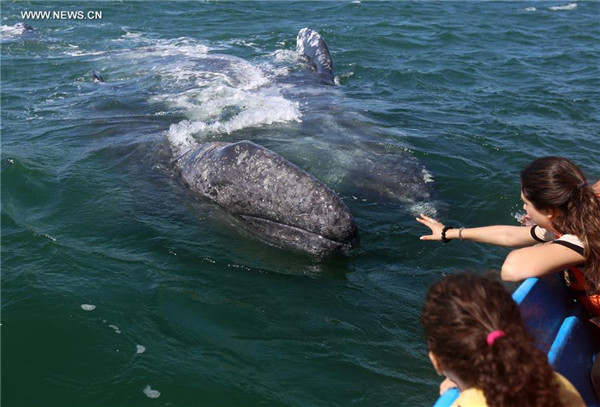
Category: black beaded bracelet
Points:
column 444, row 230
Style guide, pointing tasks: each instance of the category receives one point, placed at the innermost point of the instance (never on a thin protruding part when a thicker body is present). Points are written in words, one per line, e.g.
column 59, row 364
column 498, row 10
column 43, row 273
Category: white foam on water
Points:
column 12, row 31
column 244, row 43
column 140, row 349
column 285, row 55
column 218, row 94
column 530, row 9
column 226, row 94
column 88, row 307
column 153, row 394
column 130, row 35
column 80, row 53
column 281, row 71
column 181, row 137
column 116, row 329
column 427, row 176
column 281, row 63
column 570, row 6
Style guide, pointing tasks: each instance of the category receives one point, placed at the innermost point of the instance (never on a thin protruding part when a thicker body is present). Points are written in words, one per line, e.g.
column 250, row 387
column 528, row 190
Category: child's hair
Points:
column 459, row 314
column 556, row 182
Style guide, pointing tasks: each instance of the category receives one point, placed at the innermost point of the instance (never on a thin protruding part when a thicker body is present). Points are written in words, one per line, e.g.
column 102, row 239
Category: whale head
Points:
column 282, row 203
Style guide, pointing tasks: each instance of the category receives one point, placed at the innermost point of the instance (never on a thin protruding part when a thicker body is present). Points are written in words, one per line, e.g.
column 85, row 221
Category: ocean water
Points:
column 120, row 288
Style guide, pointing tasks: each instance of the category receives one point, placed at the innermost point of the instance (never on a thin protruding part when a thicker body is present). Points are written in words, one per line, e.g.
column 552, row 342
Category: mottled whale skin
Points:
column 276, row 198
column 313, row 47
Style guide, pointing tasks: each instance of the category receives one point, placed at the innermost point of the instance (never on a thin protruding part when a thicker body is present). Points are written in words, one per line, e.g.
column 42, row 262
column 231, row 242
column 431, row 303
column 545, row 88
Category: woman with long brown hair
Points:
column 477, row 339
column 565, row 211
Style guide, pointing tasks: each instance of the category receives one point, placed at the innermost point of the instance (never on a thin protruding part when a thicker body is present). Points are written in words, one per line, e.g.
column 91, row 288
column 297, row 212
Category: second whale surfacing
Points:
column 313, row 47
column 274, row 197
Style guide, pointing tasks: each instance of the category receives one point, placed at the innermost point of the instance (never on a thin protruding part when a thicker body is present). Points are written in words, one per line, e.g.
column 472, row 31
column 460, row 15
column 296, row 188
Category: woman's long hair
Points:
column 557, row 183
column 459, row 313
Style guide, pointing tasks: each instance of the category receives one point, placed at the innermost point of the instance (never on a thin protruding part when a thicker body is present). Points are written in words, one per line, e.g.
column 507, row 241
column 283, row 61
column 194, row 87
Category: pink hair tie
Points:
column 492, row 336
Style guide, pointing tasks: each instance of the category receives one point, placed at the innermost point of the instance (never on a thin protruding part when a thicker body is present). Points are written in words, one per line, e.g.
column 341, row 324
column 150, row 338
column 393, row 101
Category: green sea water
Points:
column 120, row 288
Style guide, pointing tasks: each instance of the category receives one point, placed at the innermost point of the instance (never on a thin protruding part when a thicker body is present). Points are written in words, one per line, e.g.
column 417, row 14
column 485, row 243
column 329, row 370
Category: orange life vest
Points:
column 575, row 281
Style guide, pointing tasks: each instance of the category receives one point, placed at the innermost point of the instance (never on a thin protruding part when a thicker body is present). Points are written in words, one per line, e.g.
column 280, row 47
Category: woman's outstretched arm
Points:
column 499, row 235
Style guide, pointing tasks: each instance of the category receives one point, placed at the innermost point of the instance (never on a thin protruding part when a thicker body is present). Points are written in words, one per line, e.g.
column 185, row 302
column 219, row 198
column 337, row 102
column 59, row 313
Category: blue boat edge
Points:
column 562, row 331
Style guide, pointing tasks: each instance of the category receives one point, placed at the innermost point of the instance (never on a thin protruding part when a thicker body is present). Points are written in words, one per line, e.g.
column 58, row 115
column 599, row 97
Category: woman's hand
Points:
column 435, row 226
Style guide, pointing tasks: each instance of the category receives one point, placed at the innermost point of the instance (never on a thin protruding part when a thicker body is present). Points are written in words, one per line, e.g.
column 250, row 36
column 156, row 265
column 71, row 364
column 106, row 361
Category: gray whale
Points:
column 313, row 47
column 274, row 197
